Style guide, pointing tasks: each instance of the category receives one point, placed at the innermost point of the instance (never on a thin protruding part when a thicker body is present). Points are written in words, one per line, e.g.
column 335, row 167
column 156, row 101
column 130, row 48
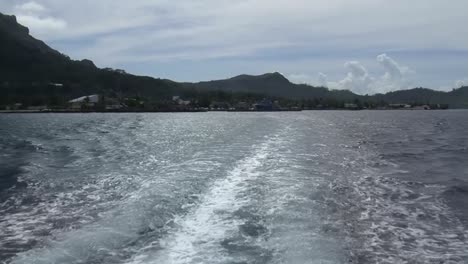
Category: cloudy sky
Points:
column 367, row 46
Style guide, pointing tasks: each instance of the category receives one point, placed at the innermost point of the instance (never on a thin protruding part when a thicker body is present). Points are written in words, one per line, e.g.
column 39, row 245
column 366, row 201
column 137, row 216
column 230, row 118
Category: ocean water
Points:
column 293, row 187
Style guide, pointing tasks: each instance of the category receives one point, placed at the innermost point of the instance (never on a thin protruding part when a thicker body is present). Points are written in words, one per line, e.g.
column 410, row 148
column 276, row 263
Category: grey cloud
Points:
column 30, row 7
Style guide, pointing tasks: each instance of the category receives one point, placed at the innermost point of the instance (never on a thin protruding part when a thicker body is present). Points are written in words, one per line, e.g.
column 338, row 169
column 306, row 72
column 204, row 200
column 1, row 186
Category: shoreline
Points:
column 204, row 111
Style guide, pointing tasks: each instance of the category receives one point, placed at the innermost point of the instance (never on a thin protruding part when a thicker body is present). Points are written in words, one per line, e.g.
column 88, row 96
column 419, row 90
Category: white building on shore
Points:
column 88, row 101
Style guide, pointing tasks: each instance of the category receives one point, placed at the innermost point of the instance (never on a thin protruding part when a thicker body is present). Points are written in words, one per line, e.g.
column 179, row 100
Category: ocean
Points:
column 280, row 187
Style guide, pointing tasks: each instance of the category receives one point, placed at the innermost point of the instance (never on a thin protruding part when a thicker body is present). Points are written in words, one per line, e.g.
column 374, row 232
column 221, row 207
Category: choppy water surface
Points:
column 310, row 187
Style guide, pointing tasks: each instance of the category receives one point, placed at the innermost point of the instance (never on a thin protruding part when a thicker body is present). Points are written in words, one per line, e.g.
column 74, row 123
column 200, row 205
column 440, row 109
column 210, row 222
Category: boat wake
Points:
column 201, row 234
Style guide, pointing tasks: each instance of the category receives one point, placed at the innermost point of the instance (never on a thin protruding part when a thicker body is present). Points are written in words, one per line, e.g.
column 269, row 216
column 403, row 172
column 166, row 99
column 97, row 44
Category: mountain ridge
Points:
column 29, row 65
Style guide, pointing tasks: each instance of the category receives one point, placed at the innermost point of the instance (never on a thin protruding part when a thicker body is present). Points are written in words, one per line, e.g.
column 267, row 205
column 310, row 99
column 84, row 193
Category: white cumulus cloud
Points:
column 320, row 80
column 359, row 80
column 460, row 83
column 301, row 78
column 393, row 71
column 37, row 18
column 42, row 24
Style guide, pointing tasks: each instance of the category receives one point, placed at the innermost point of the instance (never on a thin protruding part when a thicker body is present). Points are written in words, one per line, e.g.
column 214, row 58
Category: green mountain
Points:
column 28, row 67
column 273, row 84
column 30, row 71
column 26, row 59
column 457, row 98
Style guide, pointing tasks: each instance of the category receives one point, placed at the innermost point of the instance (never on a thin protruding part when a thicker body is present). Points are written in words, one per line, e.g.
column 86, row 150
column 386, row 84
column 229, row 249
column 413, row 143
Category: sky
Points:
column 367, row 46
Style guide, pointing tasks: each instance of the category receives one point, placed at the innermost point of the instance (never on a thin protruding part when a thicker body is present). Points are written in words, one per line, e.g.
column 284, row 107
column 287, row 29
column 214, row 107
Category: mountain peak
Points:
column 14, row 34
column 25, row 58
column 273, row 76
column 10, row 24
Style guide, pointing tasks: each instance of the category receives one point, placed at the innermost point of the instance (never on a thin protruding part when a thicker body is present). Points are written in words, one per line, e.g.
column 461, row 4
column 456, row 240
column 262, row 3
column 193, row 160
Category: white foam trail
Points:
column 202, row 230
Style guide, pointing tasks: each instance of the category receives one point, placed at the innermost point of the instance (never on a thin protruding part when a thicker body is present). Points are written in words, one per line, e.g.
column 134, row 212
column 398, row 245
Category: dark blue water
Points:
column 309, row 187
